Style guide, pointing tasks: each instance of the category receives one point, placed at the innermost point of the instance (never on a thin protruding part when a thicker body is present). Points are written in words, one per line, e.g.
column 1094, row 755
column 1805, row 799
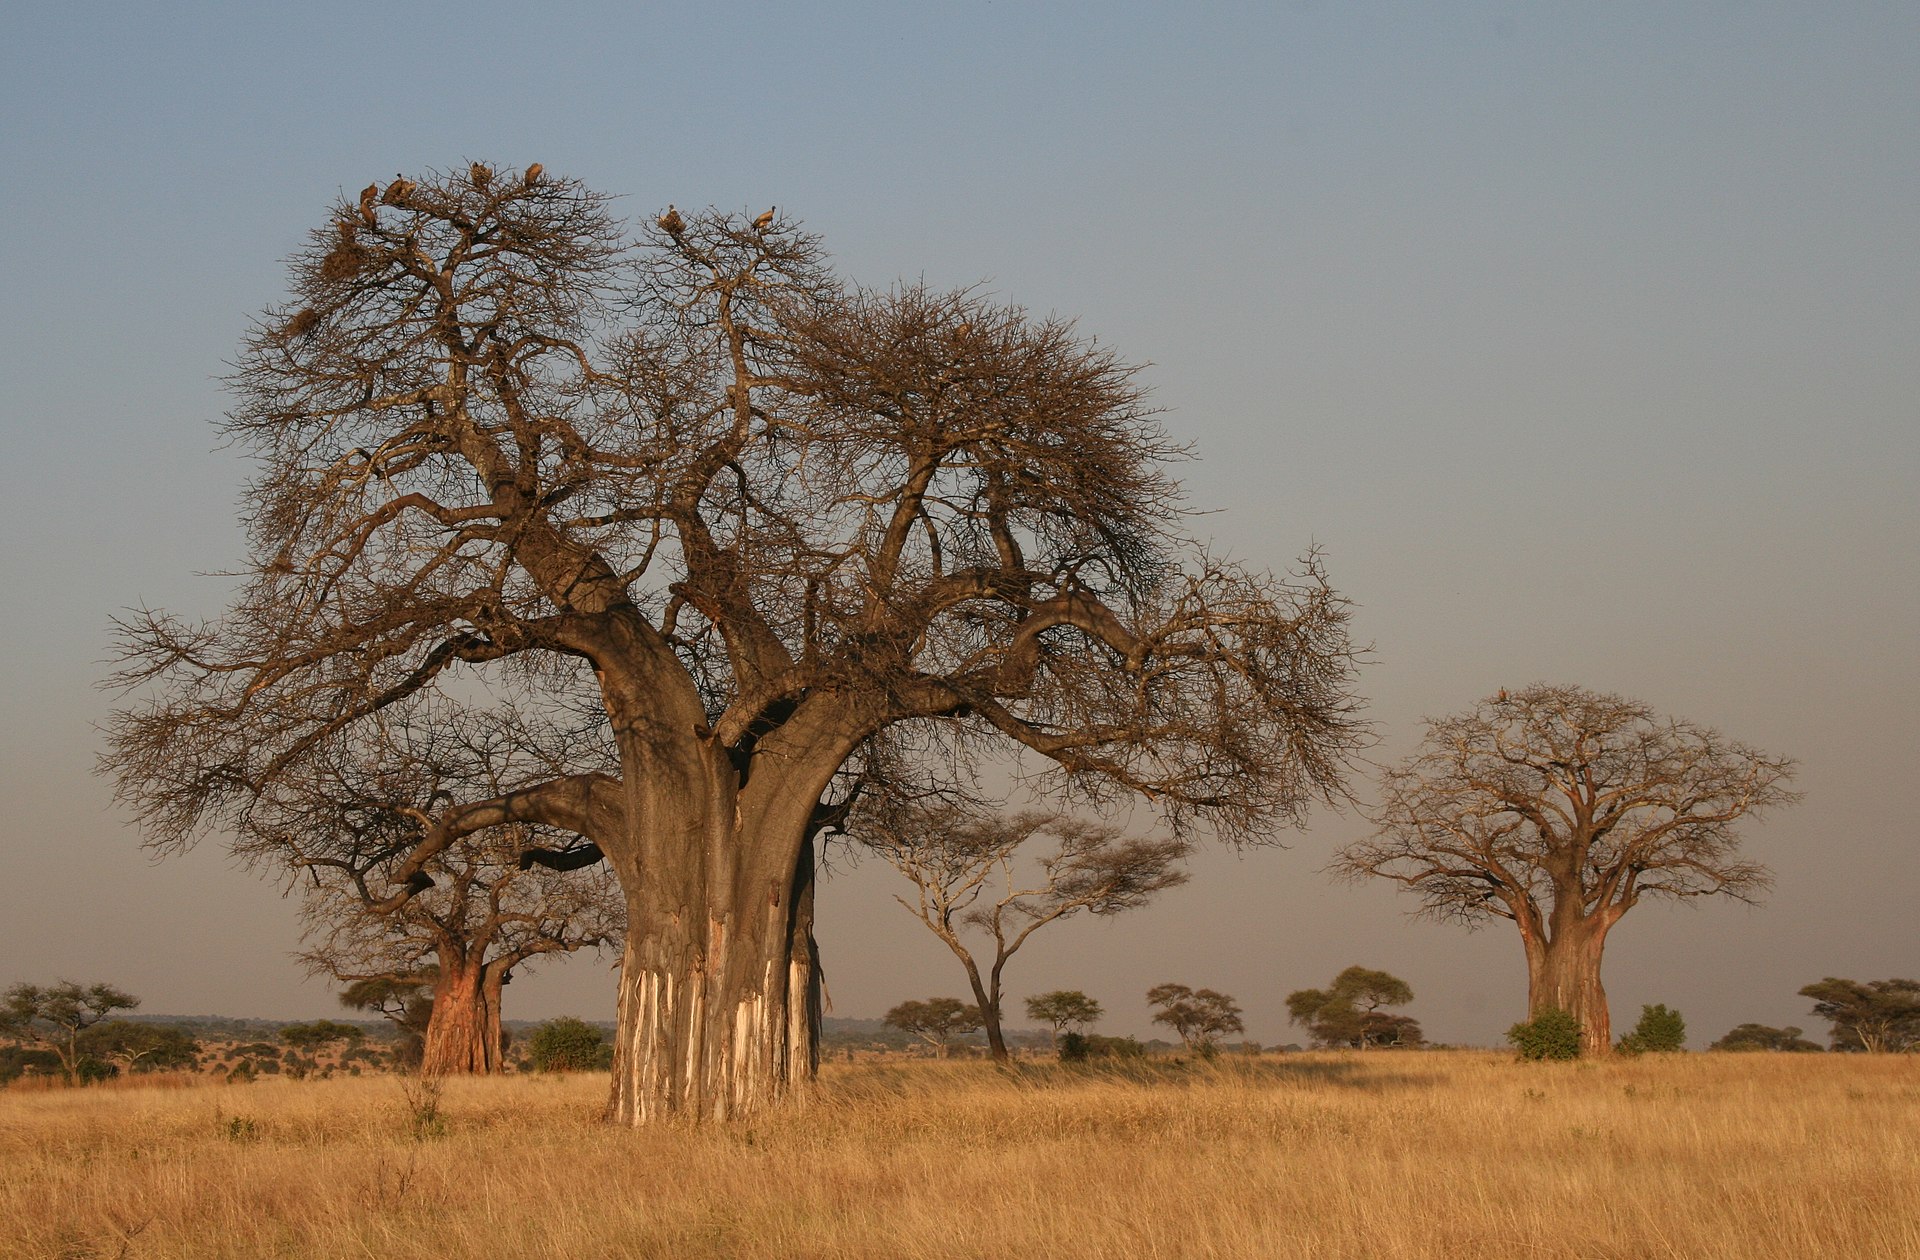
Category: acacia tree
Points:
column 1347, row 1012
column 1764, row 1037
column 936, row 1021
column 766, row 516
column 1063, row 1009
column 57, row 1015
column 966, row 870
column 1877, row 1016
column 1200, row 1017
column 140, row 1047
column 1560, row 809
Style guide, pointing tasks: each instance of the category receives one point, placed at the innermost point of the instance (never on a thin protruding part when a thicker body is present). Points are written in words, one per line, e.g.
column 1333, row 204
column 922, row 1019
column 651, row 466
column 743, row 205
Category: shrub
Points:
column 1079, row 1047
column 569, row 1045
column 91, row 1071
column 1552, row 1034
column 18, row 1061
column 1660, row 1031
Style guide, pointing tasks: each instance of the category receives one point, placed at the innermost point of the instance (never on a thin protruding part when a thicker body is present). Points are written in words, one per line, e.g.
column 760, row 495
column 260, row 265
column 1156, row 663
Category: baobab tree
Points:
column 969, row 871
column 766, row 516
column 500, row 897
column 1560, row 809
column 461, row 941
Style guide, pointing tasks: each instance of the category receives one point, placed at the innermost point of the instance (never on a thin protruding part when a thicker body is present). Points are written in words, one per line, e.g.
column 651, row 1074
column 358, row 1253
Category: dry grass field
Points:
column 1381, row 1155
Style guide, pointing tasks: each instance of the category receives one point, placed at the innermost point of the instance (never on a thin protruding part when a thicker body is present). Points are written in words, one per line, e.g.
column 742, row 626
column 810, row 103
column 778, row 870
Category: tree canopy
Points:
column 1875, row 1016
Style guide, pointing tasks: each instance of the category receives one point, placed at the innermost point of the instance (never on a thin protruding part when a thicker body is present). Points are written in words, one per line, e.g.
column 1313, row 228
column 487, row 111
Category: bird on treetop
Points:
column 399, row 190
column 671, row 222
column 1503, row 696
column 765, row 220
column 533, row 174
column 368, row 196
column 480, row 174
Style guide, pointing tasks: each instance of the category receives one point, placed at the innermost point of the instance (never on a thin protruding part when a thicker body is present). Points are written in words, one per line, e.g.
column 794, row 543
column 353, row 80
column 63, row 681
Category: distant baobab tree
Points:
column 495, row 899
column 767, row 516
column 1559, row 809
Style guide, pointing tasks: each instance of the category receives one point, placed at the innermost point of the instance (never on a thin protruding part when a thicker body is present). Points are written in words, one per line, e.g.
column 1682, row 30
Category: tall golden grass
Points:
column 1377, row 1155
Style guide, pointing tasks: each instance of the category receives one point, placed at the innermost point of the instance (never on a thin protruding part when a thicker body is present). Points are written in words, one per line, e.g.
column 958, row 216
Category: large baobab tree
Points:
column 973, row 878
column 767, row 516
column 1560, row 809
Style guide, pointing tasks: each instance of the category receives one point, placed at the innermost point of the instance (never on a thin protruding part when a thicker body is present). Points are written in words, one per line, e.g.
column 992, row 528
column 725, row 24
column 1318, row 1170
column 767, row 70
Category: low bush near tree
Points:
column 569, row 1045
column 1661, row 1030
column 1552, row 1034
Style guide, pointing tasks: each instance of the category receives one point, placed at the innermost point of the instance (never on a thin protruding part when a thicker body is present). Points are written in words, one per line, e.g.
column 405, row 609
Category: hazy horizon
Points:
column 1582, row 341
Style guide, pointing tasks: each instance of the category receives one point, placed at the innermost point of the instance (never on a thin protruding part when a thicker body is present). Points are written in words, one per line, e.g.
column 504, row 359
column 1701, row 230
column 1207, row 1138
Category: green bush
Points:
column 1079, row 1047
column 91, row 1071
column 569, row 1045
column 1552, row 1034
column 1660, row 1031
column 18, row 1061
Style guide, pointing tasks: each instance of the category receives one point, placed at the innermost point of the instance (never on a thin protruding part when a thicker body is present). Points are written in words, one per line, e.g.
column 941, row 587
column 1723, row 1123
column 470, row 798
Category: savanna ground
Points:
column 1377, row 1155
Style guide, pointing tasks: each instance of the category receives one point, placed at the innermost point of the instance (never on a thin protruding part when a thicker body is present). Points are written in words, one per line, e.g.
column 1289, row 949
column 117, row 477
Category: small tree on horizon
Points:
column 1064, row 1009
column 965, row 868
column 1347, row 1013
column 309, row 1039
column 1746, row 1037
column 935, row 1021
column 140, row 1047
column 1200, row 1017
column 56, row 1015
column 405, row 999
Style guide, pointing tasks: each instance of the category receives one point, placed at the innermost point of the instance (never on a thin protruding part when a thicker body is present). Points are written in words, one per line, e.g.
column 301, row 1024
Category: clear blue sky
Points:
column 1585, row 339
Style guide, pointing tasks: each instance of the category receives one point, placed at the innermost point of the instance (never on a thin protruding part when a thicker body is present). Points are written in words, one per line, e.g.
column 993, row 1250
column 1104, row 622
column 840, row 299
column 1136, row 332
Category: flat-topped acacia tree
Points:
column 773, row 515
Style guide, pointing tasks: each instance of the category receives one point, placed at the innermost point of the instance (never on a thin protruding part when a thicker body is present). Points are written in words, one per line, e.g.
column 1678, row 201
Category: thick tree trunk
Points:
column 719, row 983
column 463, row 1034
column 1564, row 972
